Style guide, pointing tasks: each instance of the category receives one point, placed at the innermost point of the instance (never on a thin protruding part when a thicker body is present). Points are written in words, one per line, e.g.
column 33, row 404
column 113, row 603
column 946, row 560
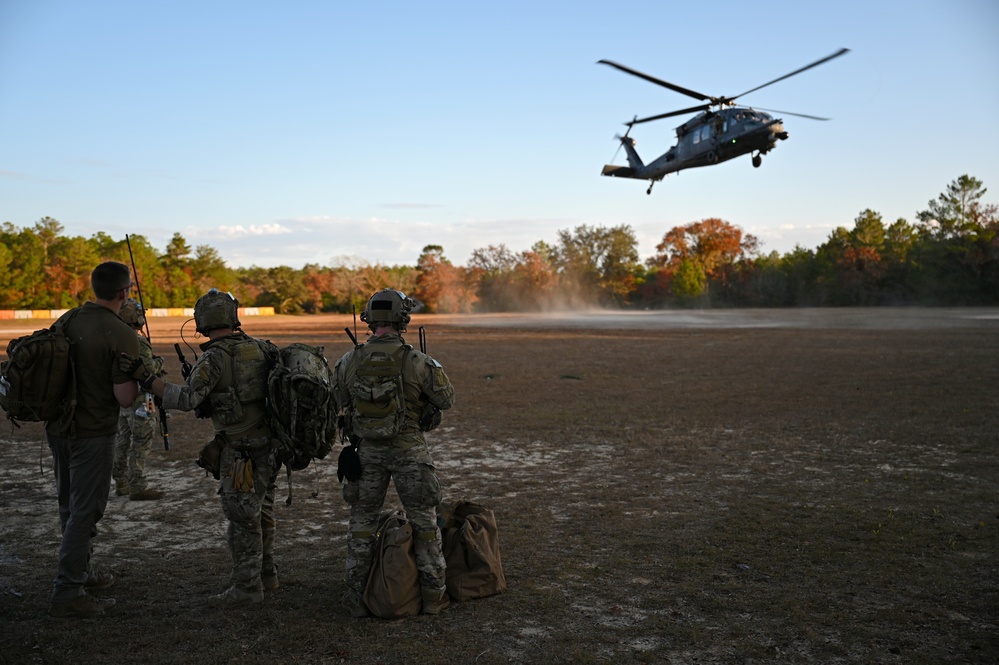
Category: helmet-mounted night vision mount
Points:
column 216, row 310
column 388, row 307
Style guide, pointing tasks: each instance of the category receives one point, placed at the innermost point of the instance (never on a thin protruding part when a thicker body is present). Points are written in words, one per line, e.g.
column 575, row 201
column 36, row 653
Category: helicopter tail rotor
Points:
column 618, row 137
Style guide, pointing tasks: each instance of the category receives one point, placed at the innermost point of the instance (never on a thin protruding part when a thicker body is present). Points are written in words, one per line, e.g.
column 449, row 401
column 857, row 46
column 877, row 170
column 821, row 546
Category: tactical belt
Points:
column 255, row 440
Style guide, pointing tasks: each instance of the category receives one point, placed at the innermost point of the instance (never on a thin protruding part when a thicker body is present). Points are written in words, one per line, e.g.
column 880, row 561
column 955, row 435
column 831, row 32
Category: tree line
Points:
column 948, row 256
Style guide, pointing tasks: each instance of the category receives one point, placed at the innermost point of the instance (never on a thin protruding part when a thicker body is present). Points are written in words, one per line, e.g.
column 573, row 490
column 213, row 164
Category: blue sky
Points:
column 330, row 132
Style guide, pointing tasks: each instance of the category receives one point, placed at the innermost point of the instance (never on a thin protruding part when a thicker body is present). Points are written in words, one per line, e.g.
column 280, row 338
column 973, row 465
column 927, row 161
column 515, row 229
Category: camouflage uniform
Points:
column 229, row 381
column 135, row 432
column 405, row 460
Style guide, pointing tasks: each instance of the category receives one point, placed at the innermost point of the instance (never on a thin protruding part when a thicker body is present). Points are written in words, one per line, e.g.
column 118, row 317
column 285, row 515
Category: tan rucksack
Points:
column 471, row 551
column 393, row 589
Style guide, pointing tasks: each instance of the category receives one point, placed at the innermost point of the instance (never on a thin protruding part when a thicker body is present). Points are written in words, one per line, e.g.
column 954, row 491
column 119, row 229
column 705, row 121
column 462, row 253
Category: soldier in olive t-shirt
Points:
column 98, row 337
column 83, row 446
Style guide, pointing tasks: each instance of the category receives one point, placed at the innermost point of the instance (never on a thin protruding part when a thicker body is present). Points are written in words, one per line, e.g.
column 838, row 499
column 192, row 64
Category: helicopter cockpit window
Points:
column 705, row 132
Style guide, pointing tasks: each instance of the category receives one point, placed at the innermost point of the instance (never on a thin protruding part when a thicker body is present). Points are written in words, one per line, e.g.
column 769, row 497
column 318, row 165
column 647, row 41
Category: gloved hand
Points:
column 134, row 367
column 349, row 464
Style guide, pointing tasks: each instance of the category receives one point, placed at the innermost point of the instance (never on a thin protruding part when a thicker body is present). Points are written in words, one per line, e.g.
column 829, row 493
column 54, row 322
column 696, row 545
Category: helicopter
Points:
column 719, row 132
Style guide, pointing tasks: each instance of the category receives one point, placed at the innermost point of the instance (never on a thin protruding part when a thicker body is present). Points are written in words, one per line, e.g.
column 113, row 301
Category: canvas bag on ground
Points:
column 471, row 551
column 393, row 588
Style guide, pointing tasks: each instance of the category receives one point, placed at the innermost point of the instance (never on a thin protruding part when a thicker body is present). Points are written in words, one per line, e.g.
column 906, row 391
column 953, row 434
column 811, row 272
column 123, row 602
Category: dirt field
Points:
column 808, row 486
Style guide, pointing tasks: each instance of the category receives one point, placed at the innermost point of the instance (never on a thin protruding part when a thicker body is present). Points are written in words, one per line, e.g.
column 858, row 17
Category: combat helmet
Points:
column 216, row 310
column 388, row 307
column 131, row 312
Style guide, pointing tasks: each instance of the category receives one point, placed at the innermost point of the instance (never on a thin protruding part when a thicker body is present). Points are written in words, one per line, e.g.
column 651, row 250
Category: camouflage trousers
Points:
column 131, row 447
column 418, row 488
column 252, row 528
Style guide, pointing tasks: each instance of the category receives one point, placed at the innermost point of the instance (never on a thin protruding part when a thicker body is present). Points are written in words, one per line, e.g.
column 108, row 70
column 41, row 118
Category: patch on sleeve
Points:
column 440, row 380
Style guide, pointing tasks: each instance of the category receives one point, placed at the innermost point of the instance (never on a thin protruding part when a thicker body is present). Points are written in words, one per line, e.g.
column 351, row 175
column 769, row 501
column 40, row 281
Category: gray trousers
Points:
column 83, row 479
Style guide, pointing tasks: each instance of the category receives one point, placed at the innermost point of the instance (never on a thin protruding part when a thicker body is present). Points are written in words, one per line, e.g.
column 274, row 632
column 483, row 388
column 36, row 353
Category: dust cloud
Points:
column 881, row 318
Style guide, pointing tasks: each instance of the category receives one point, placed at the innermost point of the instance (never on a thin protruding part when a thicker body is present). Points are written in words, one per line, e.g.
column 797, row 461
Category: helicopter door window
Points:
column 705, row 132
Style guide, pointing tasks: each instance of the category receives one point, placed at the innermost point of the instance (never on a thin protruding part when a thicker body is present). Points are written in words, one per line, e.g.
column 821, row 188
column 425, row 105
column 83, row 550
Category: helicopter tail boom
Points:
column 618, row 171
column 636, row 167
column 634, row 161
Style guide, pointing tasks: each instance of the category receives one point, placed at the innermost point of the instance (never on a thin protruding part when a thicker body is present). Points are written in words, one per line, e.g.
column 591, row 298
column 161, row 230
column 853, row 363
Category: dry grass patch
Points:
column 664, row 494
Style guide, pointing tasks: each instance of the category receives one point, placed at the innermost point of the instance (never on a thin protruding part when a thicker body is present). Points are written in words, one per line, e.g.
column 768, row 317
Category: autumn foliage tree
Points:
column 441, row 286
column 508, row 282
column 597, row 265
column 852, row 261
column 950, row 255
column 697, row 253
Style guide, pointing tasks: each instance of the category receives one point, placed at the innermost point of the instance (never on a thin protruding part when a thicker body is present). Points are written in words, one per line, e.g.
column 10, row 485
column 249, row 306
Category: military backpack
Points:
column 378, row 394
column 38, row 380
column 301, row 405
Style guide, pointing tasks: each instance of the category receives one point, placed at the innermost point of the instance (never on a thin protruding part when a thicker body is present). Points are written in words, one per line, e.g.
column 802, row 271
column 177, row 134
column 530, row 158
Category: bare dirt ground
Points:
column 803, row 486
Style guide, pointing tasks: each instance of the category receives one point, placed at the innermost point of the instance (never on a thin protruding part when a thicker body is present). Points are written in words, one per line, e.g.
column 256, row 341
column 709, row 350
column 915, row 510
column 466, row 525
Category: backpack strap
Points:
column 61, row 326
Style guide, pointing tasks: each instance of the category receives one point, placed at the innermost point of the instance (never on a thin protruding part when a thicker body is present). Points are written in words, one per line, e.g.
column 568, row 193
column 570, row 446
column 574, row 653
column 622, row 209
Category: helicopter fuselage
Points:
column 709, row 138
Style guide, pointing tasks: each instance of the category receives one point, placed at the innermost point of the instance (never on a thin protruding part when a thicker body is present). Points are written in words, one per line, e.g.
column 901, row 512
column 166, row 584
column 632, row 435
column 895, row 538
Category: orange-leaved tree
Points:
column 701, row 251
column 441, row 286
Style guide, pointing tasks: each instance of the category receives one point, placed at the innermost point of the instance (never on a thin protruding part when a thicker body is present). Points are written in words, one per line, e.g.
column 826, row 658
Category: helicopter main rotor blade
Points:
column 652, row 79
column 692, row 109
column 799, row 115
column 797, row 71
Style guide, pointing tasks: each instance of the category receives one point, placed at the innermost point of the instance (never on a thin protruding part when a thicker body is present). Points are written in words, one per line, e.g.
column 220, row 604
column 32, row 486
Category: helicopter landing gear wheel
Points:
column 712, row 157
column 757, row 160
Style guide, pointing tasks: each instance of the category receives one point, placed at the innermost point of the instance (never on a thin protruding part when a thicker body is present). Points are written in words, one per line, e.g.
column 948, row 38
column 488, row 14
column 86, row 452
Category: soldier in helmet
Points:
column 391, row 445
column 228, row 383
column 135, row 422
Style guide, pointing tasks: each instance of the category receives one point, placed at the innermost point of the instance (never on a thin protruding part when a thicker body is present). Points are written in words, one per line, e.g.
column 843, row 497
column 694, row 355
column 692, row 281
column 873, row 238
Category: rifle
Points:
column 353, row 335
column 185, row 367
column 158, row 401
column 430, row 415
column 353, row 339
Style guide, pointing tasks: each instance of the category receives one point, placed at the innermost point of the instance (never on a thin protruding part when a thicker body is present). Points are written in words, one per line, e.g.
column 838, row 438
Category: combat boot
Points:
column 233, row 597
column 354, row 606
column 146, row 494
column 121, row 489
column 98, row 581
column 81, row 607
column 270, row 581
column 435, row 602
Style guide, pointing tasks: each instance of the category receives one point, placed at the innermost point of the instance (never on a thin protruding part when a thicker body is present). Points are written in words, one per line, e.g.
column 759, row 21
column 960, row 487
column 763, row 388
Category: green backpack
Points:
column 301, row 405
column 379, row 401
column 38, row 379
